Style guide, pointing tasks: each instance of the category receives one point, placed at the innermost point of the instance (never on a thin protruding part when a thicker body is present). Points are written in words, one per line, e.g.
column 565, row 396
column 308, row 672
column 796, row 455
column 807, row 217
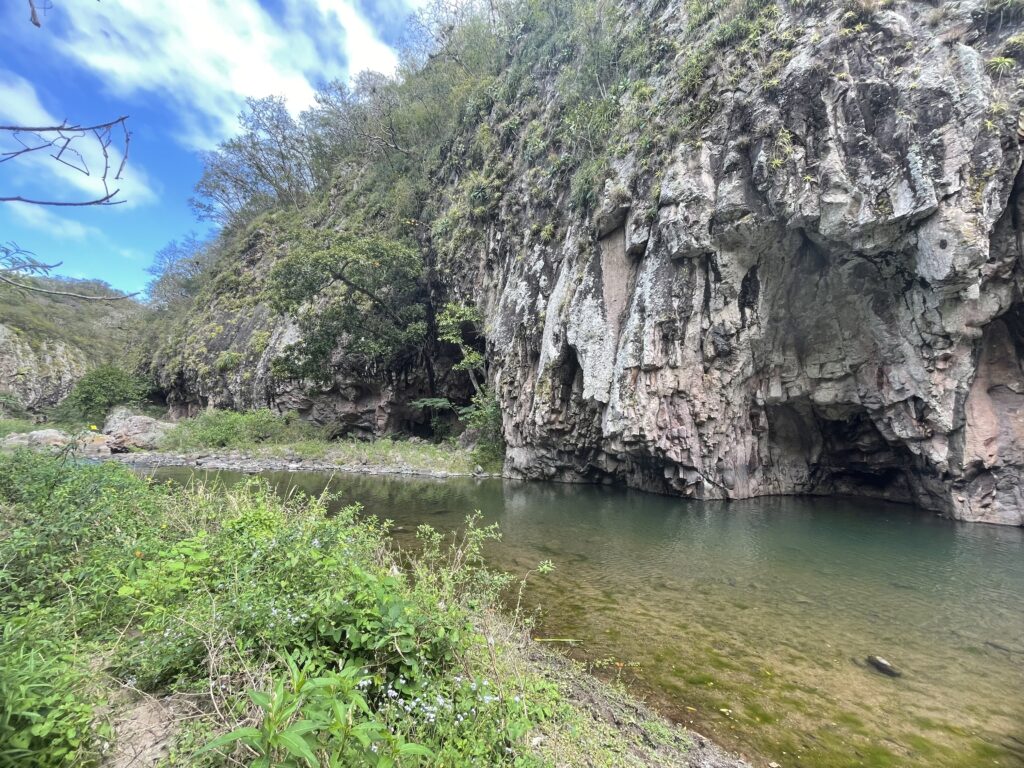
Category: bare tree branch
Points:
column 107, row 199
column 37, row 289
column 17, row 261
column 59, row 142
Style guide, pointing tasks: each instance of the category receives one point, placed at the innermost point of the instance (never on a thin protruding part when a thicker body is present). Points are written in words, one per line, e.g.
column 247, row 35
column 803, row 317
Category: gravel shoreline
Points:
column 237, row 462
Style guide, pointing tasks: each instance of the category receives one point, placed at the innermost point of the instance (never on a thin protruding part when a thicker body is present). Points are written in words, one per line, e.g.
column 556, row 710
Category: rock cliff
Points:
column 222, row 354
column 819, row 292
column 787, row 259
column 37, row 375
column 48, row 342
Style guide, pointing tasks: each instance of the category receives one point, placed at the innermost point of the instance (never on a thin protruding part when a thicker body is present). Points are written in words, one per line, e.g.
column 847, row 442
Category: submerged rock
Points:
column 883, row 666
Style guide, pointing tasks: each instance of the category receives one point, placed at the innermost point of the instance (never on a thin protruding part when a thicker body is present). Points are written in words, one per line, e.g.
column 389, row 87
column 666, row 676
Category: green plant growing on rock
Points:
column 454, row 324
column 1000, row 65
column 228, row 361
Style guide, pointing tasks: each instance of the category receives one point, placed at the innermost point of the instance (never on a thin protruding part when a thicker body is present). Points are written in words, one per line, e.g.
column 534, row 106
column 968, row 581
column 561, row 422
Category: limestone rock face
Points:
column 826, row 297
column 37, row 375
column 128, row 430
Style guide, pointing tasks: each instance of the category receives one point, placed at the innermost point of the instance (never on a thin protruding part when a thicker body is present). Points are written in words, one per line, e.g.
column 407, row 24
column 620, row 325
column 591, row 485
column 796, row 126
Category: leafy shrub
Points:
column 47, row 715
column 312, row 644
column 369, row 291
column 484, row 416
column 586, row 183
column 11, row 407
column 63, row 527
column 236, row 429
column 101, row 389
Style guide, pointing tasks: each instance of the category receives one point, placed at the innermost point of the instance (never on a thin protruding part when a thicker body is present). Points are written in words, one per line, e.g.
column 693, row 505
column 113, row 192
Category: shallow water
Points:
column 750, row 620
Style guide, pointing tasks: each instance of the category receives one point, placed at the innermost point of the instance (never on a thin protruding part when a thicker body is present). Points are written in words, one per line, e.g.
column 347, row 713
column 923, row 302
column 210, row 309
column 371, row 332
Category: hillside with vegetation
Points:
column 715, row 249
column 49, row 341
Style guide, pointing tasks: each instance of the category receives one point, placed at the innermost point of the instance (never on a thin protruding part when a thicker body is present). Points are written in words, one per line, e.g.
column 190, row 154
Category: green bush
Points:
column 228, row 361
column 47, row 707
column 11, row 407
column 10, row 426
column 237, row 429
column 101, row 389
column 62, row 522
column 484, row 416
column 586, row 183
column 310, row 641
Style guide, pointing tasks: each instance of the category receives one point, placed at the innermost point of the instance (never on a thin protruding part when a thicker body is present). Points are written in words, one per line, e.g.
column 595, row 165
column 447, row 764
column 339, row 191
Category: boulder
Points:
column 42, row 438
column 90, row 444
column 128, row 430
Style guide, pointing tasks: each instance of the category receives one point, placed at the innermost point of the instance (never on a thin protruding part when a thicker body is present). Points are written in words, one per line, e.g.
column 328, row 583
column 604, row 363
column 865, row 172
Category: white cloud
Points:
column 47, row 221
column 39, row 175
column 132, row 254
column 206, row 59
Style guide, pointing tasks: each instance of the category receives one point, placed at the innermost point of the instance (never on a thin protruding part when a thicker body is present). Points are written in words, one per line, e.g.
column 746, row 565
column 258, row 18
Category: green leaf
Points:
column 415, row 749
column 247, row 735
column 302, row 727
column 260, row 699
column 297, row 746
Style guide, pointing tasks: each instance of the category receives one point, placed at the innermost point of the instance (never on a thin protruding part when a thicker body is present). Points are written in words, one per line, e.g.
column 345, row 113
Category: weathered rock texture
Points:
column 37, row 374
column 222, row 356
column 813, row 286
column 825, row 298
column 48, row 342
column 128, row 430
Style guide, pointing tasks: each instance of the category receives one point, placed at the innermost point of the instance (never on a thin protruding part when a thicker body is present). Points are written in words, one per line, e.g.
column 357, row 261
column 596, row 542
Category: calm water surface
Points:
column 750, row 620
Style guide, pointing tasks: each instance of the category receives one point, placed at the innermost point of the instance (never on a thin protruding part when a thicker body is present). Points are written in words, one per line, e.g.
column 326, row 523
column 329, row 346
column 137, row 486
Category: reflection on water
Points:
column 750, row 620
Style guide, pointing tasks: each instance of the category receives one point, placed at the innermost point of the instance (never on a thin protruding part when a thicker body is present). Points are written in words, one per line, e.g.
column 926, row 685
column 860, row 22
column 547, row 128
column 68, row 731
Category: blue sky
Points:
column 181, row 70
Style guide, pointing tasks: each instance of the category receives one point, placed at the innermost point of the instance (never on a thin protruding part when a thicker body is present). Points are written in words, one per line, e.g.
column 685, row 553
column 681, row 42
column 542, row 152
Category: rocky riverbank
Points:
column 236, row 461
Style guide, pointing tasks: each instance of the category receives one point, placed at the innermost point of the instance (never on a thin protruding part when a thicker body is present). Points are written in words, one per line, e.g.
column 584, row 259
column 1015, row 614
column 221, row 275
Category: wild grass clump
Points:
column 238, row 429
column 291, row 636
column 265, row 433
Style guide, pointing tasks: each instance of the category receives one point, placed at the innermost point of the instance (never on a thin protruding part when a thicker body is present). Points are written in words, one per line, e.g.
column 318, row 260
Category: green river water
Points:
column 749, row 621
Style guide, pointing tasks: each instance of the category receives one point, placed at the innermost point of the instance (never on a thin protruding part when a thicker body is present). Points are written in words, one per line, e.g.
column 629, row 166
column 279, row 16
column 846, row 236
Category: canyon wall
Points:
column 774, row 249
column 825, row 296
